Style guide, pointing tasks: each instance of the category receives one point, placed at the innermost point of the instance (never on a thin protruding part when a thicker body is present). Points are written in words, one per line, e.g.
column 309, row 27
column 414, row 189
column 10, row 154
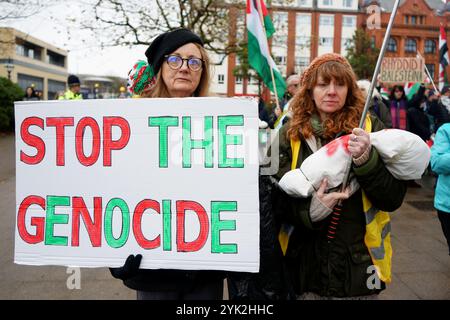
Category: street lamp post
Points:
column 96, row 86
column 9, row 68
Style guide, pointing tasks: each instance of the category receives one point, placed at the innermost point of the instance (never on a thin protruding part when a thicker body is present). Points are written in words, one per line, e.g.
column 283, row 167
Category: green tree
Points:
column 9, row 92
column 362, row 55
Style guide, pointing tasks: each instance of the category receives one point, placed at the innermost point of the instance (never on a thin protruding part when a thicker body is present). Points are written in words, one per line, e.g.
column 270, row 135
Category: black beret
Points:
column 73, row 80
column 167, row 43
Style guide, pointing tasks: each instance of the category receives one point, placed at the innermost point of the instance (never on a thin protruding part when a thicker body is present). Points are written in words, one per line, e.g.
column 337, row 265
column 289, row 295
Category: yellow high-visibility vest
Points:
column 378, row 226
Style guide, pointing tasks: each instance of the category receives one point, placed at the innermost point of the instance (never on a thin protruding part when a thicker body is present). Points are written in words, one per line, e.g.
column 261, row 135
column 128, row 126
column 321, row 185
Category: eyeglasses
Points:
column 176, row 62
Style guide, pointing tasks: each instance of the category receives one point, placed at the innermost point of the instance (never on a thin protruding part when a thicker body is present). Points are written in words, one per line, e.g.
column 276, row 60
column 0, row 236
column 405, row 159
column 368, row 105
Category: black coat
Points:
column 439, row 113
column 338, row 268
column 270, row 282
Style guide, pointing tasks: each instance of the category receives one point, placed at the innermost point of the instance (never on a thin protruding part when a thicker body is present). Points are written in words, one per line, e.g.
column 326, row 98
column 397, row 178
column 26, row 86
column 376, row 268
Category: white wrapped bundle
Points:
column 405, row 155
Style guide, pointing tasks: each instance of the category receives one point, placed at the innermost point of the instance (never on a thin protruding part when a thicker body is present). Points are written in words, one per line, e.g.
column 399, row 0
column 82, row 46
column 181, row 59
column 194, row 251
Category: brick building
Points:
column 416, row 30
column 308, row 28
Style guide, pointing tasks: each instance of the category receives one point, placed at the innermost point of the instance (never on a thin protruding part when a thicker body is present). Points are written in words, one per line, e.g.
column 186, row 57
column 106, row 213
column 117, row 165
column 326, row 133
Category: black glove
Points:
column 129, row 269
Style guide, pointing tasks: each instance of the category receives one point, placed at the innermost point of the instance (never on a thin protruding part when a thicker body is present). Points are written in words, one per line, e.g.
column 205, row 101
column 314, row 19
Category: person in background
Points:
column 437, row 109
column 30, row 94
column 418, row 121
column 440, row 164
column 398, row 106
column 377, row 106
column 267, row 120
column 177, row 66
column 445, row 97
column 292, row 83
column 73, row 93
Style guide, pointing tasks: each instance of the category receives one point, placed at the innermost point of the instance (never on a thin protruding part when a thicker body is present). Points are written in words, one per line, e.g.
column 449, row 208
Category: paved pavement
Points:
column 421, row 264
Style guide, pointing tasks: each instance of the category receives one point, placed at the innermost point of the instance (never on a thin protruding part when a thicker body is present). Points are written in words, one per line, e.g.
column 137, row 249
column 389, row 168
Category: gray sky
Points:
column 85, row 55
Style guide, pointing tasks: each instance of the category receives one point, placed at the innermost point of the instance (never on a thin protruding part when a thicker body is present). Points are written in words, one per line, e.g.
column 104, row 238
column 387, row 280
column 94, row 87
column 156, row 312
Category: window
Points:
column 280, row 60
column 430, row 46
column 413, row 19
column 303, row 19
column 326, row 20
column 29, row 50
column 326, row 42
column 238, row 80
column 221, row 79
column 20, row 50
column 392, row 45
column 54, row 87
column 347, row 42
column 302, row 61
column 304, row 3
column 55, row 59
column 302, row 41
column 25, row 80
column 430, row 68
column 349, row 21
column 253, row 80
column 411, row 45
column 348, row 3
column 327, row 2
column 406, row 19
column 280, row 22
column 422, row 19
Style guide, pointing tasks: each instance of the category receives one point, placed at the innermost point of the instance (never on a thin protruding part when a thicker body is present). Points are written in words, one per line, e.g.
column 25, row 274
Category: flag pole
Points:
column 373, row 83
column 428, row 73
column 261, row 17
column 442, row 39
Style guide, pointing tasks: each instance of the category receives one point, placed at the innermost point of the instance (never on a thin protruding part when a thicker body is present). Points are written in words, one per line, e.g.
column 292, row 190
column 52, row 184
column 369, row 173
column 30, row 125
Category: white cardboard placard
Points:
column 117, row 178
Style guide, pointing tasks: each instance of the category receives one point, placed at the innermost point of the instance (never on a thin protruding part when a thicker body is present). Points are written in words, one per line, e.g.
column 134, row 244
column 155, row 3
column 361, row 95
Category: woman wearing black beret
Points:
column 177, row 66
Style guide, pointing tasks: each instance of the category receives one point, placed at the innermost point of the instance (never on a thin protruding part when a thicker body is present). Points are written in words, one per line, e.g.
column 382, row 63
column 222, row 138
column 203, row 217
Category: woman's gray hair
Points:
column 364, row 85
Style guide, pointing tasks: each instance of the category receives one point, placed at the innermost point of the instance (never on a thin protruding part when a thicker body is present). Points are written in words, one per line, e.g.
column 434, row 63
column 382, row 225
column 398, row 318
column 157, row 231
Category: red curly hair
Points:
column 303, row 106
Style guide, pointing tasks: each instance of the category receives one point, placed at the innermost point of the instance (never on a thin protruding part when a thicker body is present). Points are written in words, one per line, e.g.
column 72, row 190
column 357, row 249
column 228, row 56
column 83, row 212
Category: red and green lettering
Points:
column 108, row 225
column 182, row 206
column 79, row 139
column 52, row 218
column 93, row 226
column 163, row 123
column 37, row 222
column 32, row 140
column 108, row 143
column 137, row 224
column 167, row 225
column 206, row 144
column 229, row 139
column 60, row 124
column 218, row 225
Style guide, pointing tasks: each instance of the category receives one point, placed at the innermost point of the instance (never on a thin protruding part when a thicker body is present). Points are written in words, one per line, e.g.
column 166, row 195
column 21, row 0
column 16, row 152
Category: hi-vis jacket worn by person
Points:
column 340, row 267
column 69, row 95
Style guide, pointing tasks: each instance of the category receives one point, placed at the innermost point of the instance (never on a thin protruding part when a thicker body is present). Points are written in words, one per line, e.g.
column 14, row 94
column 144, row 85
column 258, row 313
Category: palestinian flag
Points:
column 443, row 57
column 385, row 93
column 411, row 89
column 259, row 56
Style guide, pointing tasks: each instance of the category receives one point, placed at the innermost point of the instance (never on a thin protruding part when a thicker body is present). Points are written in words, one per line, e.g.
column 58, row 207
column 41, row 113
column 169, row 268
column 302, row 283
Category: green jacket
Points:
column 339, row 268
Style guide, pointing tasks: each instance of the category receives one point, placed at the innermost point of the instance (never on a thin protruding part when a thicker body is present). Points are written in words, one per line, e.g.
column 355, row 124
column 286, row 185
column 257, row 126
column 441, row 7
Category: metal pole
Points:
column 428, row 73
column 373, row 83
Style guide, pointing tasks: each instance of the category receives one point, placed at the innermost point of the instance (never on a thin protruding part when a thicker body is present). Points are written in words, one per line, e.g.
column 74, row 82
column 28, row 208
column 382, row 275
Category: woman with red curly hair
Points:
column 326, row 254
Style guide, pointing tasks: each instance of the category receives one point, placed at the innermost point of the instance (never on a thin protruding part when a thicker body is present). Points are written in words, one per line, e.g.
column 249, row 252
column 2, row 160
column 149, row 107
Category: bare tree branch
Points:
column 20, row 9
